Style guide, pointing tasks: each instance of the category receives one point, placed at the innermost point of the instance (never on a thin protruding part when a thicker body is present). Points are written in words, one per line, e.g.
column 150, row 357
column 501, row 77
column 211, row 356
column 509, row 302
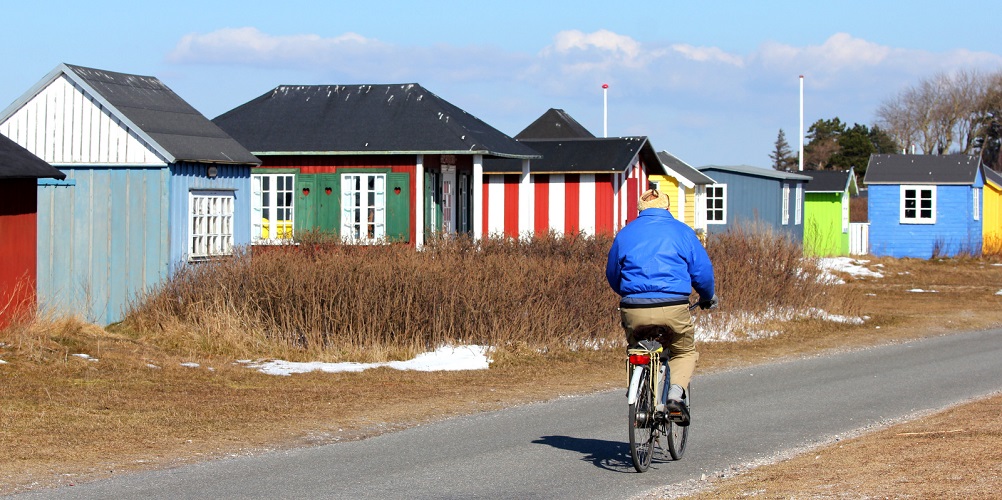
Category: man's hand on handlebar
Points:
column 710, row 304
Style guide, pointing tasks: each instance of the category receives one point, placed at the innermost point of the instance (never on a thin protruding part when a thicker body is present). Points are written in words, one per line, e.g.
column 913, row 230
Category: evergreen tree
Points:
column 782, row 158
column 822, row 143
column 854, row 149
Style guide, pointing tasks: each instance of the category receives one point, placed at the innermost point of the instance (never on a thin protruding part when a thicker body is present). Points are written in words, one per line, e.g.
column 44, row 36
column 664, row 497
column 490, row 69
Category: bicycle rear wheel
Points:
column 676, row 434
column 643, row 430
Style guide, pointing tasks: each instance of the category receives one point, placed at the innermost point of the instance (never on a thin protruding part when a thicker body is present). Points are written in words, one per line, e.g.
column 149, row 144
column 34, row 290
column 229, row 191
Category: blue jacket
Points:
column 656, row 258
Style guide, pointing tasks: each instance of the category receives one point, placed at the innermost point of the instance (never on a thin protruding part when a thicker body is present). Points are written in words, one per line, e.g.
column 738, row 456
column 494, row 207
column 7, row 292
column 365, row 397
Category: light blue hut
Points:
column 151, row 184
column 742, row 195
column 925, row 206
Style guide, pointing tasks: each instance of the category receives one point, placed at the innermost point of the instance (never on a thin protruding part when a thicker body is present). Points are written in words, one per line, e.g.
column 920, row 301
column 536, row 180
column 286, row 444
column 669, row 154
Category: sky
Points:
column 710, row 82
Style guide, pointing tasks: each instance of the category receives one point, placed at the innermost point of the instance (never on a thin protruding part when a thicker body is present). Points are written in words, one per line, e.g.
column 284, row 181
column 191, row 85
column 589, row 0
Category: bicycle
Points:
column 647, row 375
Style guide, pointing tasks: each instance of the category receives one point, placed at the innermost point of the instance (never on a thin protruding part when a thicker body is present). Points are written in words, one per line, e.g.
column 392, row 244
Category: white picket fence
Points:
column 859, row 238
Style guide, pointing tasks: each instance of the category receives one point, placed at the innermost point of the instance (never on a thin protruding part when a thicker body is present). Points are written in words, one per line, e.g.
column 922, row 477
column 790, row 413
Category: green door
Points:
column 329, row 203
column 398, row 207
column 305, row 208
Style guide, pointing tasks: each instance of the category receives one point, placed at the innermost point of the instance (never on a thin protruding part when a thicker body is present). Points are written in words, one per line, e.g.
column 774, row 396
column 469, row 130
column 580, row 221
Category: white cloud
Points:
column 250, row 45
column 603, row 40
column 707, row 54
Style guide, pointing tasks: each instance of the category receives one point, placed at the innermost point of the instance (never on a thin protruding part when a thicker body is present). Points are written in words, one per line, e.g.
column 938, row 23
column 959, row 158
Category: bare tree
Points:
column 940, row 114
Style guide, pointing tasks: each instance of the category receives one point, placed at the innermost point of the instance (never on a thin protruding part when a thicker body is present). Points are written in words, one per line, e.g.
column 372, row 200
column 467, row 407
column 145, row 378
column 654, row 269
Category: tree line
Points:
column 958, row 112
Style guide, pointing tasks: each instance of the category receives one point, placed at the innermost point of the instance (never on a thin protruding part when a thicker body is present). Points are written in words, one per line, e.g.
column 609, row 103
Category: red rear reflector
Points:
column 640, row 359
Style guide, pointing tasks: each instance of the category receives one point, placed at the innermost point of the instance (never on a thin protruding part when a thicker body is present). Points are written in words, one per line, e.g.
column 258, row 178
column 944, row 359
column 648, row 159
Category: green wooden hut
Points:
column 826, row 212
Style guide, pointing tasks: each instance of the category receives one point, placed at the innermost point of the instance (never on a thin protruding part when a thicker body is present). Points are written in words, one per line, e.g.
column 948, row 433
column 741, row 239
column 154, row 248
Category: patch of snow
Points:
column 998, row 292
column 190, row 365
column 848, row 265
column 919, row 290
column 446, row 358
column 150, row 365
column 86, row 356
column 2, row 362
column 722, row 327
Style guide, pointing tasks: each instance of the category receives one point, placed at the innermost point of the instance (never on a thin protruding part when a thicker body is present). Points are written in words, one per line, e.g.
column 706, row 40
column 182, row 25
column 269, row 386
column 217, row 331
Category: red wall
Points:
column 572, row 203
column 541, row 219
column 18, row 236
column 511, row 185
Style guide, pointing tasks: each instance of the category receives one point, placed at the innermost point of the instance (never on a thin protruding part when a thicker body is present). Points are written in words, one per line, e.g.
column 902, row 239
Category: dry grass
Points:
column 64, row 418
column 953, row 454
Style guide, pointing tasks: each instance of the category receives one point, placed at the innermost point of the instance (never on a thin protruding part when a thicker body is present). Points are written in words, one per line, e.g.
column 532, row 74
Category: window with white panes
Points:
column 363, row 207
column 918, row 204
column 786, row 203
column 210, row 224
column 798, row 218
column 272, row 207
column 716, row 204
column 977, row 203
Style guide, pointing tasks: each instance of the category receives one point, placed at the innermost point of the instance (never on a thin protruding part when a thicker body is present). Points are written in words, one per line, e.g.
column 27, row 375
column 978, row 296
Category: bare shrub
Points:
column 337, row 301
column 323, row 299
column 762, row 273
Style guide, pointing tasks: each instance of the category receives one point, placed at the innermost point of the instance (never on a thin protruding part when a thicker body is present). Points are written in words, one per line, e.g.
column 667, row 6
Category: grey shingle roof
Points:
column 922, row 169
column 761, row 172
column 594, row 155
column 830, row 181
column 554, row 124
column 991, row 175
column 362, row 119
column 168, row 121
column 684, row 169
column 18, row 163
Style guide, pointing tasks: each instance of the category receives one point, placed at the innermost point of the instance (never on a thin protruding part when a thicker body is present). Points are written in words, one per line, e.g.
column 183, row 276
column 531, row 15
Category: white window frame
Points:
column 798, row 208
column 268, row 204
column 368, row 199
column 977, row 203
column 913, row 214
column 786, row 203
column 723, row 204
column 210, row 223
column 845, row 213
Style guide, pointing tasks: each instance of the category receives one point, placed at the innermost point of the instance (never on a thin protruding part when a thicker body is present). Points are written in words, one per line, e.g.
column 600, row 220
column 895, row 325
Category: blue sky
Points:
column 711, row 82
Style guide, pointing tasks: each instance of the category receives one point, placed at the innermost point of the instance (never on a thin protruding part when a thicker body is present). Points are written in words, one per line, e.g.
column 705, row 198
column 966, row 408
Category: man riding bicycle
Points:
column 654, row 264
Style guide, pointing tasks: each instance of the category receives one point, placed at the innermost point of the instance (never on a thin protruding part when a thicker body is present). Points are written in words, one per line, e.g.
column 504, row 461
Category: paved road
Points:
column 576, row 447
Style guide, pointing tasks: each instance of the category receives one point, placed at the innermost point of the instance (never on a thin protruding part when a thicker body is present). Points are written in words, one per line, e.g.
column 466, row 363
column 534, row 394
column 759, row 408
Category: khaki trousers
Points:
column 681, row 347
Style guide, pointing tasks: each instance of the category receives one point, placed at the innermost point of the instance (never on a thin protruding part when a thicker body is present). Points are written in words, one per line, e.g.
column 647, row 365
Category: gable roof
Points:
column 922, row 169
column 18, row 163
column 555, row 124
column 581, row 156
column 362, row 119
column 831, row 181
column 992, row 176
column 756, row 171
column 682, row 171
column 173, row 128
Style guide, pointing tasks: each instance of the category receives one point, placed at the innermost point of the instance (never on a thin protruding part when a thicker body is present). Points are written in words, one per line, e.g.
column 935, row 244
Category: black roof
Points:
column 827, row 181
column 922, row 169
column 363, row 119
column 19, row 163
column 684, row 169
column 595, row 155
column 554, row 124
column 169, row 121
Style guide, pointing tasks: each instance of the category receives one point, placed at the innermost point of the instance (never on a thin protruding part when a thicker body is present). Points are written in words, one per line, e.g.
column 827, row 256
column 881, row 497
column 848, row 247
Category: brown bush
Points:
column 323, row 299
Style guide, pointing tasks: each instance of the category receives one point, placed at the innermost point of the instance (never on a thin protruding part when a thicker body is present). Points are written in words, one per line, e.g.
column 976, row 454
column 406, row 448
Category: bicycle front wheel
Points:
column 643, row 429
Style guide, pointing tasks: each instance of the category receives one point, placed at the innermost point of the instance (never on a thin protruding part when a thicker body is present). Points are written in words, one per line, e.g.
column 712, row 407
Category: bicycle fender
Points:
column 635, row 381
